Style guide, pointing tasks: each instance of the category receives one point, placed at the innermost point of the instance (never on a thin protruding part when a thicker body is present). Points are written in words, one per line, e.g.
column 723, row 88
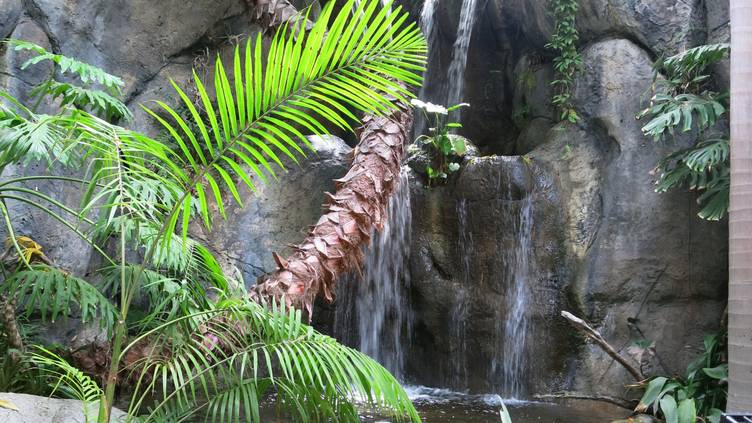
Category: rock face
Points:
column 600, row 242
column 34, row 409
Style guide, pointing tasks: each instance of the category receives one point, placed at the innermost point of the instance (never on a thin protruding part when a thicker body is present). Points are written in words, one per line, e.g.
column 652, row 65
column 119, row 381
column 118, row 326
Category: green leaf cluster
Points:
column 443, row 146
column 52, row 293
column 103, row 102
column 685, row 101
column 702, row 393
column 568, row 61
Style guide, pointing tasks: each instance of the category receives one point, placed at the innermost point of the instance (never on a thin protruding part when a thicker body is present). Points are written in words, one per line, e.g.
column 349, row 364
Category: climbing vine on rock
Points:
column 568, row 61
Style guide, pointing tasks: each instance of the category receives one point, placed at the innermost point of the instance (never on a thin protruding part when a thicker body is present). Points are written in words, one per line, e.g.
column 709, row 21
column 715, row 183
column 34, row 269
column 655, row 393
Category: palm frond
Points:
column 26, row 136
column 98, row 102
column 68, row 381
column 342, row 65
column 245, row 346
column 52, row 293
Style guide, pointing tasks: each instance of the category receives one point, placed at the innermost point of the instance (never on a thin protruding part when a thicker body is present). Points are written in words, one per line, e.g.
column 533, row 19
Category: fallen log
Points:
column 593, row 334
column 621, row 402
column 334, row 245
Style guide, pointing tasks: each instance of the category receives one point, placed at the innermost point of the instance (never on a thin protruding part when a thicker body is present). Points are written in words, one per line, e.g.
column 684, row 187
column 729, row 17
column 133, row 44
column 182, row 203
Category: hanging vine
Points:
column 568, row 62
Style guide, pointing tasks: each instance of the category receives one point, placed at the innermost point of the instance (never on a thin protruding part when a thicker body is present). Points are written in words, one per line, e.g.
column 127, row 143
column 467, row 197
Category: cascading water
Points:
column 427, row 16
column 456, row 72
column 460, row 308
column 510, row 365
column 379, row 299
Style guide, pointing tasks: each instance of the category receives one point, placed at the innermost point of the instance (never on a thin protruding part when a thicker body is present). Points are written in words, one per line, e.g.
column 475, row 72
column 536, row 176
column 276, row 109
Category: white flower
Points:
column 417, row 103
column 435, row 108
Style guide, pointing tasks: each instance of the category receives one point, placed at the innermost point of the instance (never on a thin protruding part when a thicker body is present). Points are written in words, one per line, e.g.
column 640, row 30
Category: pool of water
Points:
column 440, row 405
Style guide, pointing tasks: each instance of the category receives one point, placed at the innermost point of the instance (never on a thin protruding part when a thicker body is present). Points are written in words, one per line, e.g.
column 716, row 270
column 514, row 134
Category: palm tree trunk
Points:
column 334, row 245
column 740, row 212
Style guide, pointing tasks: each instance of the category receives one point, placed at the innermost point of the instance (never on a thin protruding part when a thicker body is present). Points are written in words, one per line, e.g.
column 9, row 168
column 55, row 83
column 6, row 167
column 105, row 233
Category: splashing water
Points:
column 379, row 301
column 456, row 72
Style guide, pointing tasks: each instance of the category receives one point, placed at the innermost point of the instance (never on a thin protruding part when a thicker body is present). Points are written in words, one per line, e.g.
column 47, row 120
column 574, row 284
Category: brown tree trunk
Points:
column 740, row 211
column 334, row 245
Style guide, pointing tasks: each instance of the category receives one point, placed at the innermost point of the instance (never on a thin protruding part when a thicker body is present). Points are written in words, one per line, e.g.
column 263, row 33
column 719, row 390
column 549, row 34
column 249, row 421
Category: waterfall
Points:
column 460, row 308
column 376, row 302
column 512, row 334
column 427, row 16
column 456, row 72
column 427, row 13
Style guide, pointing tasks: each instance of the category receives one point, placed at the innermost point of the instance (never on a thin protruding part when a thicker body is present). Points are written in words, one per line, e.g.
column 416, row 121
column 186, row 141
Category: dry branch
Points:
column 621, row 402
column 334, row 245
column 593, row 334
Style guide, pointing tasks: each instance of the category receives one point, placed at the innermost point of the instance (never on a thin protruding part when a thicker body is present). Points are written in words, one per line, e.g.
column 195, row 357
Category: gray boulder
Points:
column 663, row 26
column 134, row 39
column 35, row 409
column 10, row 11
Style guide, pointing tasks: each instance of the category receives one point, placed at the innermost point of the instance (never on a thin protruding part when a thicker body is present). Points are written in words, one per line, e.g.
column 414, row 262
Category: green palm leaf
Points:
column 344, row 64
column 247, row 349
column 53, row 293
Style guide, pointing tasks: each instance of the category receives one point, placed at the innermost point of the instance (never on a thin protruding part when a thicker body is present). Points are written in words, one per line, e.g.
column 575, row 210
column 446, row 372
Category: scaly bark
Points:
column 740, row 211
column 334, row 245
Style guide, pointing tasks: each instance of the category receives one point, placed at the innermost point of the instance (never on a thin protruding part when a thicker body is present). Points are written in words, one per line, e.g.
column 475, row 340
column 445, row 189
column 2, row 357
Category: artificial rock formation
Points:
column 603, row 245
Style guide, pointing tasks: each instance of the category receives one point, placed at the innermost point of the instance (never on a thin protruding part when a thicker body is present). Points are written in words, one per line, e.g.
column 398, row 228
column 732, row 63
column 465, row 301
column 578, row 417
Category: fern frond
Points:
column 52, row 293
column 85, row 72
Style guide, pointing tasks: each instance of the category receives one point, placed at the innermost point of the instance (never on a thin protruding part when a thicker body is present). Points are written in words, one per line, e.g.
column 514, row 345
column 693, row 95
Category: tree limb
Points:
column 593, row 334
column 334, row 245
column 621, row 402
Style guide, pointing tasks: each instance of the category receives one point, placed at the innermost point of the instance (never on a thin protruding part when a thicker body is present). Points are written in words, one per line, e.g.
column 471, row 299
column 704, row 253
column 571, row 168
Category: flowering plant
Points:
column 443, row 146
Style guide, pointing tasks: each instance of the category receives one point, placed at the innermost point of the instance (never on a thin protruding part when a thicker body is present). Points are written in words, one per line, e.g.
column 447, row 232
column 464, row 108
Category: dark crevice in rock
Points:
column 38, row 16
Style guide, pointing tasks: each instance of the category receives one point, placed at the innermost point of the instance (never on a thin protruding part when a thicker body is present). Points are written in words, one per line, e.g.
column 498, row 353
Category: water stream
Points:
column 512, row 336
column 458, row 324
column 378, row 299
column 427, row 18
column 456, row 72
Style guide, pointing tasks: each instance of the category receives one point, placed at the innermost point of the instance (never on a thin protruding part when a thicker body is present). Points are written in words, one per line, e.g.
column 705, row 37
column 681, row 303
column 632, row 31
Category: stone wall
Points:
column 637, row 264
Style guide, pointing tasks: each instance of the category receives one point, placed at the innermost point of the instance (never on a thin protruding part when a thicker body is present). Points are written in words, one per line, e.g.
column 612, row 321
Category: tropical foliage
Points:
column 685, row 101
column 568, row 60
column 702, row 393
column 141, row 195
column 443, row 146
